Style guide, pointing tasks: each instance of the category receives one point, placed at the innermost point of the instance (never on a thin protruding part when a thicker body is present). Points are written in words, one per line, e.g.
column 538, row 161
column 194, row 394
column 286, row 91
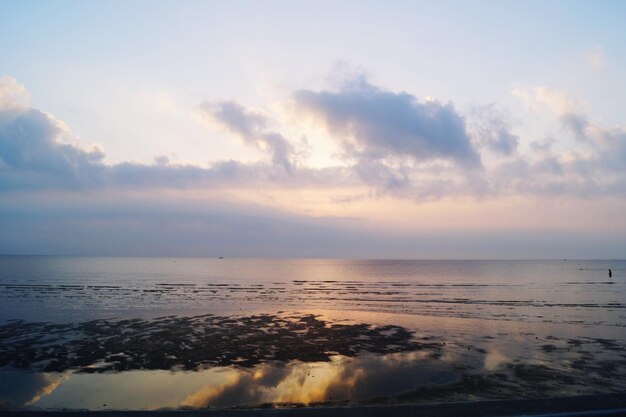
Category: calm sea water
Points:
column 66, row 288
column 148, row 333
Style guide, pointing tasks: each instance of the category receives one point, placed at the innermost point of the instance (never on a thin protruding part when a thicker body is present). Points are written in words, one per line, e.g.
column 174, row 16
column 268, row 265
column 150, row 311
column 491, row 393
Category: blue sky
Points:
column 282, row 128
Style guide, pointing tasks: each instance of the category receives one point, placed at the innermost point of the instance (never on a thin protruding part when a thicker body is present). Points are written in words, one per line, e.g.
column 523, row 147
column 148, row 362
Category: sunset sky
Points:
column 362, row 129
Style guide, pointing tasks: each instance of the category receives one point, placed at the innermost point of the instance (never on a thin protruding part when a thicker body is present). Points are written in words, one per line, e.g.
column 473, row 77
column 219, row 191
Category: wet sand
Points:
column 605, row 405
column 286, row 360
column 192, row 343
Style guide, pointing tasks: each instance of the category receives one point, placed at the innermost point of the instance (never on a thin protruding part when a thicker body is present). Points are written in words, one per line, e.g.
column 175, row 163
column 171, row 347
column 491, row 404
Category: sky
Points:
column 357, row 129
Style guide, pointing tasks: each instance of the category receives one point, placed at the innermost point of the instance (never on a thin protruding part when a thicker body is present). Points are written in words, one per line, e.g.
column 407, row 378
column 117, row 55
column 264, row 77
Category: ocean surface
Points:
column 63, row 288
column 149, row 333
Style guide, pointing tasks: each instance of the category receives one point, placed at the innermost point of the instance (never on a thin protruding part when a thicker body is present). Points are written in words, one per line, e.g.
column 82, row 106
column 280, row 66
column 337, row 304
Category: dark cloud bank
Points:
column 101, row 224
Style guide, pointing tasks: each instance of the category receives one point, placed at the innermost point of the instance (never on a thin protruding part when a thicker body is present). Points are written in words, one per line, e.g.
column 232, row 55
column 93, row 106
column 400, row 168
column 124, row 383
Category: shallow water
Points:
column 147, row 333
column 62, row 288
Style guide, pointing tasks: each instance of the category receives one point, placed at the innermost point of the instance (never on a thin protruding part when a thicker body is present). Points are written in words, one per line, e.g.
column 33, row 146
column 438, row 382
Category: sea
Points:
column 177, row 333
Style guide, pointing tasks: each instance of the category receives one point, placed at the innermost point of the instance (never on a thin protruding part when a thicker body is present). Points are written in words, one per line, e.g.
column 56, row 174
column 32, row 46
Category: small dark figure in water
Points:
column 610, row 273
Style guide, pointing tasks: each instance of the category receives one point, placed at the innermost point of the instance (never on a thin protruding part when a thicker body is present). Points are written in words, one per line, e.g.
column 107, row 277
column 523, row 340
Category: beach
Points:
column 185, row 334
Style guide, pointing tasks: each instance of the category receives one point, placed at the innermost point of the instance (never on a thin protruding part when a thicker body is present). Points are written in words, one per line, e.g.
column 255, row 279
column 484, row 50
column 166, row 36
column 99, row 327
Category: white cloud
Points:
column 558, row 101
column 13, row 95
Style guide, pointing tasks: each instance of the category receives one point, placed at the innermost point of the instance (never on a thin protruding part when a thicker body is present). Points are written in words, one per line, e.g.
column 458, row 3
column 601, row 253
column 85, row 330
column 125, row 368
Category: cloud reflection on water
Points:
column 26, row 388
column 342, row 378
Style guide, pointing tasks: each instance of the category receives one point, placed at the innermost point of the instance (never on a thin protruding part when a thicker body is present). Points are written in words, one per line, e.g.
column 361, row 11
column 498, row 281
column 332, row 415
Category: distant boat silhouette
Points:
column 221, row 257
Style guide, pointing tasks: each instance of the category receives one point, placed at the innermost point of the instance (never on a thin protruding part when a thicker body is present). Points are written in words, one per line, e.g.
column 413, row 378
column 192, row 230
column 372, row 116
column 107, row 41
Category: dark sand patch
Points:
column 190, row 343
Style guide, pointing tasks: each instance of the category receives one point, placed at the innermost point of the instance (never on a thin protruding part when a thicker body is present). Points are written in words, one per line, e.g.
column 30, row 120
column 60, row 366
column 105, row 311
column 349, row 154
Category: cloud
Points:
column 376, row 124
column 32, row 153
column 392, row 144
column 492, row 128
column 592, row 165
column 558, row 101
column 378, row 172
column 567, row 109
column 13, row 95
column 576, row 123
column 251, row 126
column 37, row 151
column 543, row 146
column 607, row 144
